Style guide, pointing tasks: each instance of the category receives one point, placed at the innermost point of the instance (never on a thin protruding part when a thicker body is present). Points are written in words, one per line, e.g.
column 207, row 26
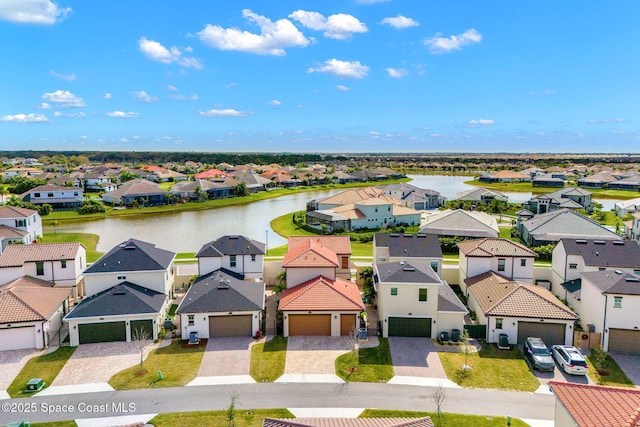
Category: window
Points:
column 394, row 291
column 192, row 320
column 376, row 209
column 523, row 262
column 63, row 263
column 20, row 223
column 345, row 262
column 122, row 277
column 434, row 265
column 422, row 294
column 602, row 268
column 388, row 208
column 501, row 263
column 75, row 193
column 498, row 323
column 617, row 302
column 253, row 258
column 49, row 194
column 39, row 268
column 636, row 271
column 232, row 261
column 573, row 266
column 36, row 194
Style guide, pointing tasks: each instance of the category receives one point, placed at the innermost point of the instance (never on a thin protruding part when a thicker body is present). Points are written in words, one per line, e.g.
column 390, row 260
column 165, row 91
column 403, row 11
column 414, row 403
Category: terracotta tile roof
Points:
column 28, row 299
column 509, row 174
column 309, row 253
column 597, row 406
column 348, row 422
column 17, row 255
column 347, row 211
column 490, row 247
column 16, row 212
column 352, row 196
column 10, row 232
column 322, row 294
column 337, row 244
column 489, row 288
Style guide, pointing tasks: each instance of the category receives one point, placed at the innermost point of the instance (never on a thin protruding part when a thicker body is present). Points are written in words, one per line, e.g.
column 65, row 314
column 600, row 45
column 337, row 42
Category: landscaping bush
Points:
column 91, row 206
column 544, row 252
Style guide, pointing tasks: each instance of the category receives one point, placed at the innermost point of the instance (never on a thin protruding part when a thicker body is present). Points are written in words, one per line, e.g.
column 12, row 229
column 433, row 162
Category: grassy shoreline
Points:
column 525, row 187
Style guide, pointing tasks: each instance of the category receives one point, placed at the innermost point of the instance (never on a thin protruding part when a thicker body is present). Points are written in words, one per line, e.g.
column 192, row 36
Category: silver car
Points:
column 570, row 359
column 538, row 355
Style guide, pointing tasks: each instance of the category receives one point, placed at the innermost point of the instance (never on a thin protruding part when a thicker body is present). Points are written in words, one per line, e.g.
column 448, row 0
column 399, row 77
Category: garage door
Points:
column 310, row 324
column 17, row 338
column 230, row 326
column 551, row 333
column 624, row 340
column 102, row 332
column 409, row 327
column 348, row 324
column 142, row 325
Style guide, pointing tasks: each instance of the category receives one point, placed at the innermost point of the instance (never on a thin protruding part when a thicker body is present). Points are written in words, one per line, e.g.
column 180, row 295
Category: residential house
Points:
column 505, row 257
column 137, row 190
column 625, row 207
column 59, row 263
column 519, row 310
column 211, row 173
column 566, row 198
column 19, row 225
column 395, row 247
column 630, row 183
column 98, row 182
column 237, row 254
column 550, row 227
column 128, row 288
column 581, row 405
column 168, row 175
column 347, row 422
column 57, row 196
column 31, row 314
column 505, row 176
column 632, row 228
column 598, row 180
column 547, row 180
column 610, row 302
column 460, row 222
column 481, row 195
column 222, row 303
column 414, row 301
column 346, row 197
column 340, row 245
column 414, row 197
column 23, row 171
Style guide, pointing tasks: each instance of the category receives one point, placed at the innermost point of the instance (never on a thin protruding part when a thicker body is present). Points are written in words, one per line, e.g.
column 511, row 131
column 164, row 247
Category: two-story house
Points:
column 18, row 225
column 415, row 197
column 127, row 289
column 55, row 195
column 98, row 182
column 505, row 257
column 632, row 228
column 340, row 245
column 393, row 247
column 611, row 303
column 568, row 198
column 59, row 263
column 239, row 254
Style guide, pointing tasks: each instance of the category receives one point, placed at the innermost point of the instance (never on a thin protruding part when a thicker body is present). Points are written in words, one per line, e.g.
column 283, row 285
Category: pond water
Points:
column 188, row 231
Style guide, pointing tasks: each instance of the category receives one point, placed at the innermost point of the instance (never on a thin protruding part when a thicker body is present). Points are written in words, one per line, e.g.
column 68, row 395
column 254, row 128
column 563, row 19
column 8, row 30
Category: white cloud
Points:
column 604, row 121
column 343, row 88
column 157, row 52
column 230, row 85
column 124, row 140
column 107, row 95
column 43, row 106
column 338, row 26
column 25, row 118
column 275, row 102
column 397, row 73
column 123, row 114
column 273, row 39
column 45, row 12
column 68, row 77
column 172, row 88
column 180, row 97
column 400, row 22
column 79, row 114
column 481, row 122
column 143, row 96
column 64, row 99
column 227, row 112
column 438, row 44
column 338, row 68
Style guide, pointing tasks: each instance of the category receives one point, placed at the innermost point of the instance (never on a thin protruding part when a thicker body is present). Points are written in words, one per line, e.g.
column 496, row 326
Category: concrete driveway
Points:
column 12, row 362
column 226, row 356
column 630, row 364
column 557, row 375
column 415, row 357
column 317, row 355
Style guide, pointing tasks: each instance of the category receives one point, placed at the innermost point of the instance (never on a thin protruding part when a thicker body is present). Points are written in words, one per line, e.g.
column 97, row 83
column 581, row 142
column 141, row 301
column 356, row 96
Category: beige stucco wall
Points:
column 446, row 322
column 335, row 320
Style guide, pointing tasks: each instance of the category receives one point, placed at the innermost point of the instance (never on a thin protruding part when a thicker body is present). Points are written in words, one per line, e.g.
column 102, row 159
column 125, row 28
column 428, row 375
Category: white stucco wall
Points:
column 74, row 336
column 511, row 330
column 159, row 281
column 296, row 276
column 335, row 320
column 405, row 303
column 447, row 321
column 201, row 322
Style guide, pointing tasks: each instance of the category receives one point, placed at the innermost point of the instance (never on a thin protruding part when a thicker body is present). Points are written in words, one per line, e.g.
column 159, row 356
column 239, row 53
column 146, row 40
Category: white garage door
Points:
column 17, row 338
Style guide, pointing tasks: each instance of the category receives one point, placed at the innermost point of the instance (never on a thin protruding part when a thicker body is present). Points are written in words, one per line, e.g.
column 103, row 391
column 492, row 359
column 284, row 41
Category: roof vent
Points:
column 599, row 242
column 421, row 235
column 619, row 272
column 233, row 237
column 119, row 292
column 223, row 286
column 129, row 247
column 632, row 279
column 581, row 241
column 394, row 235
column 409, row 269
column 408, row 235
column 618, row 242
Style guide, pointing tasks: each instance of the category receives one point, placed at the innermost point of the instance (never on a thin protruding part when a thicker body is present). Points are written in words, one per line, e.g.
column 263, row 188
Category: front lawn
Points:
column 446, row 419
column 267, row 359
column 69, row 423
column 492, row 368
column 616, row 377
column 46, row 367
column 178, row 365
column 372, row 364
column 243, row 417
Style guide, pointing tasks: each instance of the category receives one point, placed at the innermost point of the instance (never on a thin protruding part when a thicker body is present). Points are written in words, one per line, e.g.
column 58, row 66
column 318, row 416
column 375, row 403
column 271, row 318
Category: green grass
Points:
column 446, row 419
column 505, row 233
column 69, row 423
column 90, row 241
column 267, row 359
column 178, row 365
column 46, row 367
column 616, row 377
column 492, row 368
column 185, row 255
column 284, row 226
column 172, row 310
column 373, row 364
column 524, row 187
column 243, row 417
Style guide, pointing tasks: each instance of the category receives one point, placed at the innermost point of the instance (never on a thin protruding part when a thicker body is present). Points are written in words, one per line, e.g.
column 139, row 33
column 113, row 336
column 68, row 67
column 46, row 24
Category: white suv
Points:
column 570, row 359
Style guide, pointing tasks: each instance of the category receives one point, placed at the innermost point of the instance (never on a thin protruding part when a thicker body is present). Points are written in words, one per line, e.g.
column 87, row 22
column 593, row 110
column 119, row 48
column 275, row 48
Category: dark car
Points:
column 538, row 355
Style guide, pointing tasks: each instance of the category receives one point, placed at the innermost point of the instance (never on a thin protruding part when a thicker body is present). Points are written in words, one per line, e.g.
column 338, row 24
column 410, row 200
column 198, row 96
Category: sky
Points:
column 320, row 76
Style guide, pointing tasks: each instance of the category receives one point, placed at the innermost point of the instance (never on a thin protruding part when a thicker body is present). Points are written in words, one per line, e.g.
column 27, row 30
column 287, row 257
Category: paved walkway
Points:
column 415, row 357
column 317, row 355
column 12, row 362
column 226, row 356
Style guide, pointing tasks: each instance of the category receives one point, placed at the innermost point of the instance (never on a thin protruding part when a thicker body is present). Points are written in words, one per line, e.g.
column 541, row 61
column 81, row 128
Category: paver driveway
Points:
column 317, row 355
column 226, row 356
column 415, row 357
column 630, row 364
column 12, row 362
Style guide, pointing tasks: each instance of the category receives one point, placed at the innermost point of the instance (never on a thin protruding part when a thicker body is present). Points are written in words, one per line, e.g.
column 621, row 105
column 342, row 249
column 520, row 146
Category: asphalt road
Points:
column 275, row 395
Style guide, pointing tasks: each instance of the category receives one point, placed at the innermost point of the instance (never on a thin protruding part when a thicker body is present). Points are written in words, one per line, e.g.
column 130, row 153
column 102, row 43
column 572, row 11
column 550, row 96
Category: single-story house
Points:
column 550, row 227
column 459, row 222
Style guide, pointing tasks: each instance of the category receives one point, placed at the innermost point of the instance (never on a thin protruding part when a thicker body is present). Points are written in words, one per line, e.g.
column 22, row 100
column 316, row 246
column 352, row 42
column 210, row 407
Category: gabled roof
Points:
column 222, row 291
column 341, row 245
column 410, row 190
column 122, row 299
column 322, row 294
column 16, row 212
column 351, row 196
column 407, row 272
column 507, row 174
column 461, row 223
column 448, row 301
column 597, row 406
column 136, row 188
column 409, row 245
column 347, row 422
column 28, row 299
column 11, row 233
column 50, row 187
column 494, row 247
column 624, row 204
column 614, row 281
column 132, row 255
column 565, row 223
column 309, row 253
column 17, row 255
column 604, row 253
column 476, row 194
column 231, row 245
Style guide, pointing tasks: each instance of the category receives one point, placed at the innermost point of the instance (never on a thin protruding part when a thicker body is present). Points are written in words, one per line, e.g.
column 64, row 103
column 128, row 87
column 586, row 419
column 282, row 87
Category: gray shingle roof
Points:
column 122, row 299
column 448, row 300
column 409, row 245
column 404, row 272
column 461, row 223
column 564, row 223
column 604, row 253
column 133, row 255
column 223, row 291
column 231, row 245
column 614, row 282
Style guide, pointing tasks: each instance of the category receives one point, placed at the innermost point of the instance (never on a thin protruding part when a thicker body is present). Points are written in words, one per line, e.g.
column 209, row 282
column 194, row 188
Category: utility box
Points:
column 455, row 335
column 503, row 342
column 34, row 384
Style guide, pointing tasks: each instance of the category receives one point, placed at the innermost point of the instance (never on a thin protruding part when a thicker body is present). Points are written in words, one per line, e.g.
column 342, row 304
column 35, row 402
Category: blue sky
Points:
column 311, row 76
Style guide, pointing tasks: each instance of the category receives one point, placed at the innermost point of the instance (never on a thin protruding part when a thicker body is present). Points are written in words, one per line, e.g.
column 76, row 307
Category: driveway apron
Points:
column 12, row 362
column 226, row 356
column 317, row 355
column 630, row 364
column 415, row 357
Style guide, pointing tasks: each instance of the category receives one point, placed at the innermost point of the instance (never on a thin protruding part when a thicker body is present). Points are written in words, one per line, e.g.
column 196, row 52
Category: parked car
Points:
column 570, row 359
column 537, row 353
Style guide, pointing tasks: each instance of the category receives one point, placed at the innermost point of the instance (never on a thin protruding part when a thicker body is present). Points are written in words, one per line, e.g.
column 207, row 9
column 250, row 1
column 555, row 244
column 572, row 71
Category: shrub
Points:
column 91, row 206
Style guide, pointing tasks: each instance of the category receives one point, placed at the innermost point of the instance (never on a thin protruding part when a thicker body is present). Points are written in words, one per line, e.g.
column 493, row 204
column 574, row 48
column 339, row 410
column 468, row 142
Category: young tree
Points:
column 466, row 350
column 231, row 409
column 438, row 396
column 141, row 337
